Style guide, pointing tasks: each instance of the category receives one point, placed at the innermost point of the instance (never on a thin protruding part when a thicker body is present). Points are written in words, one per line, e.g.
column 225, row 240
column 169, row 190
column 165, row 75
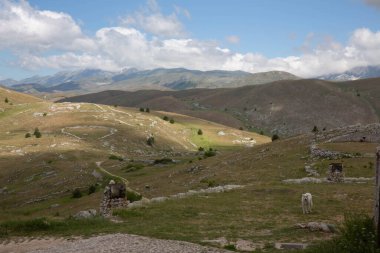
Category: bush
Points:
column 150, row 141
column 28, row 135
column 275, row 137
column 133, row 196
column 200, row 132
column 115, row 157
column 45, row 114
column 171, row 121
column 262, row 132
column 201, row 149
column 147, row 110
column 210, row 153
column 37, row 133
column 357, row 236
column 230, row 247
column 91, row 189
column 166, row 118
column 163, row 161
column 76, row 194
column 6, row 100
column 141, row 109
column 315, row 129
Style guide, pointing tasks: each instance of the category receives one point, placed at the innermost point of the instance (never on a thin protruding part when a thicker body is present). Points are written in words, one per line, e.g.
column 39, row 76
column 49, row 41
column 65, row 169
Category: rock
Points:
column 280, row 245
column 85, row 214
column 220, row 242
column 97, row 175
column 317, row 226
column 244, row 245
column 54, row 205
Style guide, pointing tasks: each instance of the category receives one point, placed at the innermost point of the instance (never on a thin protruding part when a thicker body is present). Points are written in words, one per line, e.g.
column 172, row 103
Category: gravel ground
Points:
column 106, row 243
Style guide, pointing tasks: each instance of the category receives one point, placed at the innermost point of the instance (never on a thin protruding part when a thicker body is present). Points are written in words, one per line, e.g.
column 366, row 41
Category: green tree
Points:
column 200, row 132
column 275, row 137
column 315, row 129
column 37, row 133
column 171, row 121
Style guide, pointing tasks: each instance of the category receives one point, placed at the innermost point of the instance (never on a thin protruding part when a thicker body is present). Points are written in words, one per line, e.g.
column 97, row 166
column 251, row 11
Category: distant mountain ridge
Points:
column 93, row 80
column 354, row 74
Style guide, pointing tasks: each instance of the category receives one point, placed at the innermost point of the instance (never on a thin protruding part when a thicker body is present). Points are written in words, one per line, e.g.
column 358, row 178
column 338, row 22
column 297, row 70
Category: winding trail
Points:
column 99, row 165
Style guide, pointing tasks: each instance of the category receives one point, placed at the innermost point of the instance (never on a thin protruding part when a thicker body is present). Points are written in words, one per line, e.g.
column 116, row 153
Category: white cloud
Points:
column 46, row 39
column 23, row 28
column 151, row 20
column 233, row 39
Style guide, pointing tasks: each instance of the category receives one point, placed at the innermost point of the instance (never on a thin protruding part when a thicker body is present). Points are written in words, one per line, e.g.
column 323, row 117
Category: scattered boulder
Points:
column 281, row 245
column 317, row 226
column 219, row 242
column 85, row 214
column 244, row 245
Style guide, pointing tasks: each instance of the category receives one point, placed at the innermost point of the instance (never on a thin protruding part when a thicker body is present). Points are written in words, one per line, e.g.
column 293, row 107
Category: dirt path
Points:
column 99, row 165
column 113, row 243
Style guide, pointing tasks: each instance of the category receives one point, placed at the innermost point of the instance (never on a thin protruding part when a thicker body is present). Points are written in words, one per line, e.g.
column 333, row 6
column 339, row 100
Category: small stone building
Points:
column 335, row 172
column 114, row 196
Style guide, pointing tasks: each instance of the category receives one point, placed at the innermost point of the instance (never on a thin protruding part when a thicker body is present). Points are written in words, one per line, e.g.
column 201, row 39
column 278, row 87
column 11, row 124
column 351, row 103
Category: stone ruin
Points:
column 335, row 172
column 114, row 196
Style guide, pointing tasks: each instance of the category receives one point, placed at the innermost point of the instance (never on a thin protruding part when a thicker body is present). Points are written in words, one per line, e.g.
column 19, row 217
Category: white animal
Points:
column 307, row 202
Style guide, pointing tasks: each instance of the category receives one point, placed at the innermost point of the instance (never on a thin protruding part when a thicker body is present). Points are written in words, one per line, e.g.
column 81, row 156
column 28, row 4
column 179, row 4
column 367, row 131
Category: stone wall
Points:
column 110, row 203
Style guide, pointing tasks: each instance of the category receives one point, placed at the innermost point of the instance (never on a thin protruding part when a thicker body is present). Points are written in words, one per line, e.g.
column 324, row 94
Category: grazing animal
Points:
column 307, row 202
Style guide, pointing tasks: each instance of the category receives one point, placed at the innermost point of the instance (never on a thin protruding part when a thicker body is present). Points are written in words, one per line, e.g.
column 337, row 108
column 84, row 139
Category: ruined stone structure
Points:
column 114, row 196
column 335, row 172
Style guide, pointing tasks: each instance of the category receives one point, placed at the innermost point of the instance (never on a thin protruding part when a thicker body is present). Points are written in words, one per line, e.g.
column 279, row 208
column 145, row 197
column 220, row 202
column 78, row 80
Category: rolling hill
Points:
column 75, row 136
column 283, row 107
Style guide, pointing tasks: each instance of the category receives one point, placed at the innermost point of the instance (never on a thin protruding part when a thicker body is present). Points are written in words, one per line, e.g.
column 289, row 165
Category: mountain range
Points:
column 92, row 80
column 354, row 74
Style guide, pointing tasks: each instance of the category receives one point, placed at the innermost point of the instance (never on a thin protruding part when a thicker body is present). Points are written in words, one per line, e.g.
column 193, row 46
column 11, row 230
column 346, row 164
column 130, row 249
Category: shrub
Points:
column 210, row 153
column 76, row 194
column 6, row 100
column 141, row 109
column 200, row 132
column 150, row 141
column 147, row 110
column 201, row 149
column 315, row 129
column 133, row 196
column 166, row 118
column 37, row 133
column 230, row 247
column 357, row 236
column 241, row 128
column 171, row 121
column 28, row 135
column 45, row 114
column 262, row 132
column 163, row 161
column 275, row 137
column 115, row 157
column 91, row 189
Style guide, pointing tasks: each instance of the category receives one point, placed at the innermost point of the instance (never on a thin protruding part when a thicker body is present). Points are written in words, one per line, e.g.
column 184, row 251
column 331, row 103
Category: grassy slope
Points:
column 74, row 137
column 286, row 107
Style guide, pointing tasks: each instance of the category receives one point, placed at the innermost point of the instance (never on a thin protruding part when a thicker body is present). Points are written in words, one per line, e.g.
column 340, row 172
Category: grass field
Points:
column 40, row 173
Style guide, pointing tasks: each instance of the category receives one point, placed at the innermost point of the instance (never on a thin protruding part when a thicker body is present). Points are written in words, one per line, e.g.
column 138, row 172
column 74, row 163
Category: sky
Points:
column 305, row 37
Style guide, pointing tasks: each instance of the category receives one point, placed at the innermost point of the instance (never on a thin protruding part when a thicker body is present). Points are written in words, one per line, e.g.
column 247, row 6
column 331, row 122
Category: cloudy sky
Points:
column 305, row 37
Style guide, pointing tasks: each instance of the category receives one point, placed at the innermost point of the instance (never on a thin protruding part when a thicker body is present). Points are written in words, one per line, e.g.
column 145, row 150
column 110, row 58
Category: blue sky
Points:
column 303, row 37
